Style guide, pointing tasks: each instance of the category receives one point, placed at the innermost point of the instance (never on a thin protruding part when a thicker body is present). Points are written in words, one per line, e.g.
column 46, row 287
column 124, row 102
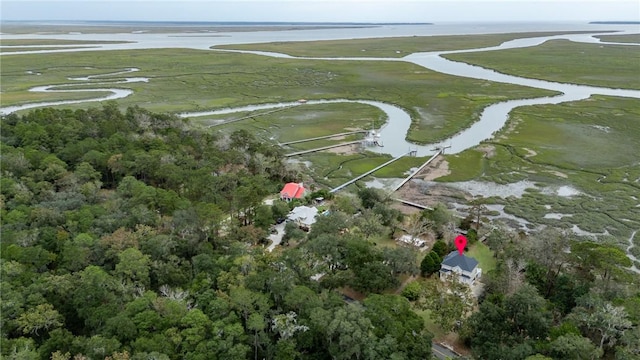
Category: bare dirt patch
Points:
column 488, row 150
column 530, row 153
column 345, row 150
column 417, row 191
column 558, row 173
column 439, row 168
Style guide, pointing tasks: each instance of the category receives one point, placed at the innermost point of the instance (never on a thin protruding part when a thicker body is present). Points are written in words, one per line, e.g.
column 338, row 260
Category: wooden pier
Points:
column 416, row 205
column 322, row 148
column 367, row 173
column 324, row 137
column 439, row 152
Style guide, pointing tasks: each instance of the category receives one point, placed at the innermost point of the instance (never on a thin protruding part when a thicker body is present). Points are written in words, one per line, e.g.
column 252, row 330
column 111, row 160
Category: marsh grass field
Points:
column 630, row 38
column 387, row 47
column 590, row 145
column 614, row 66
column 302, row 122
column 183, row 80
column 18, row 48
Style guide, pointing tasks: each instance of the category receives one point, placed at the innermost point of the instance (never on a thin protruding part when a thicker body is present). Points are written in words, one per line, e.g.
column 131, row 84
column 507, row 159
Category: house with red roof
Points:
column 292, row 191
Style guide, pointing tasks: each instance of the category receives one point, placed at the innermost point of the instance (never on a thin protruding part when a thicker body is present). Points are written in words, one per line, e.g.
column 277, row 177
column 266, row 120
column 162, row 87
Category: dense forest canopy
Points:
column 130, row 235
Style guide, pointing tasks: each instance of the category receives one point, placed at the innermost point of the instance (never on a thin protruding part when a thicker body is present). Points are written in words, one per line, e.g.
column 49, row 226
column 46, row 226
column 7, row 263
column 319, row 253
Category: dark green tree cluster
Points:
column 552, row 296
column 129, row 235
column 345, row 258
column 430, row 263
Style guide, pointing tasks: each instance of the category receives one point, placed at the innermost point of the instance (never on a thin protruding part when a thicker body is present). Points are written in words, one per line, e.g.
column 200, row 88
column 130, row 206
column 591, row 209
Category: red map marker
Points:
column 461, row 243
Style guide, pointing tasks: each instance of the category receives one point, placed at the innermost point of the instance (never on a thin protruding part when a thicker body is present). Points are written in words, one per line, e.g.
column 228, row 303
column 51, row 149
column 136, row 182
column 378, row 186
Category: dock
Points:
column 253, row 116
column 340, row 187
column 416, row 205
column 322, row 148
column 324, row 137
column 439, row 152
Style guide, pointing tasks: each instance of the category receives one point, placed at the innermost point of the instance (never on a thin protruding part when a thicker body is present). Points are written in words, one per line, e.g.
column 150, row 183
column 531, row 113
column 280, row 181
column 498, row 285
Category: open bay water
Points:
column 491, row 120
column 203, row 40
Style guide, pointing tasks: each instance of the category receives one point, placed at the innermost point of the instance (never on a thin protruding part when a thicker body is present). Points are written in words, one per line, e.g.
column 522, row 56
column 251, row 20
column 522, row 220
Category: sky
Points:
column 324, row 10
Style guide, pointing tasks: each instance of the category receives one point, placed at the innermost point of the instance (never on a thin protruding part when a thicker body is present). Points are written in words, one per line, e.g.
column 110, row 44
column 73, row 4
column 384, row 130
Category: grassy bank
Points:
column 630, row 38
column 395, row 47
column 20, row 48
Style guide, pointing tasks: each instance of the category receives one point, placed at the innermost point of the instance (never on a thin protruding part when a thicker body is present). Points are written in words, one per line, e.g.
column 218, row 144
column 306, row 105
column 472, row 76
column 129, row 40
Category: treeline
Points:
column 129, row 235
column 556, row 297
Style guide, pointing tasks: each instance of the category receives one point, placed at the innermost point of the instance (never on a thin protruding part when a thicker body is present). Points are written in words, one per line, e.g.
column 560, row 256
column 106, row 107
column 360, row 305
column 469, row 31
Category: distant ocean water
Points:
column 202, row 23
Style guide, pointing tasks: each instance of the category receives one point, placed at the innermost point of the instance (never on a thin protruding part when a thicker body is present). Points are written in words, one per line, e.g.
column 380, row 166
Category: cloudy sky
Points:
column 323, row 10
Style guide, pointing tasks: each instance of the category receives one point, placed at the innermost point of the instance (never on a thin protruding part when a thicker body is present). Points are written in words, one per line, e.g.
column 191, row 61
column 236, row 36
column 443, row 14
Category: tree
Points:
column 286, row 325
column 263, row 217
column 400, row 260
column 292, row 232
column 370, row 197
column 417, row 225
column 449, row 304
column 391, row 315
column 133, row 267
column 42, row 317
column 279, row 210
column 331, row 224
column 441, row 218
column 441, row 248
column 412, row 291
column 348, row 332
column 607, row 261
column 604, row 323
column 574, row 347
column 509, row 328
column 430, row 264
column 257, row 324
column 370, row 223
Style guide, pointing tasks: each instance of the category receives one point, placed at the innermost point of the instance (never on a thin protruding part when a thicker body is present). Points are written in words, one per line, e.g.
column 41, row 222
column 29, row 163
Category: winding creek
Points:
column 393, row 134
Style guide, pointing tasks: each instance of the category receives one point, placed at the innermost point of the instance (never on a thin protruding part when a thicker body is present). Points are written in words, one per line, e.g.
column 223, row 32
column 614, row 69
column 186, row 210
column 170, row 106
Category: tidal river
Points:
column 393, row 134
column 393, row 137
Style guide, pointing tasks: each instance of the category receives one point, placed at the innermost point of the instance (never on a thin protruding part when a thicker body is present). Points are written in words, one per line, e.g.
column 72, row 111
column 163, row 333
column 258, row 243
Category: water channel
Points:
column 492, row 119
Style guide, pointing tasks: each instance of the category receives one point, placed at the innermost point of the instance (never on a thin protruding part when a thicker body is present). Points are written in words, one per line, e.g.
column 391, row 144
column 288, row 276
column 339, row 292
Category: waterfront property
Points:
column 303, row 216
column 292, row 191
column 461, row 267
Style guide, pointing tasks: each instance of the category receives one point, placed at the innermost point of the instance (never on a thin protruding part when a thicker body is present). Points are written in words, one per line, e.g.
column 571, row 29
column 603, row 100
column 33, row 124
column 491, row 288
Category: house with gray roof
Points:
column 464, row 268
column 304, row 216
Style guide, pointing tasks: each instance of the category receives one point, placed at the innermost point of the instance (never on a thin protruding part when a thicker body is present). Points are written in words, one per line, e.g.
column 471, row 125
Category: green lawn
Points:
column 484, row 255
column 429, row 324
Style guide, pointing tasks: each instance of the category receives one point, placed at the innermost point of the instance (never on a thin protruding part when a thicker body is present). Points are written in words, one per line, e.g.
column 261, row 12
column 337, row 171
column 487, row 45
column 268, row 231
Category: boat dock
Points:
column 340, row 187
column 439, row 152
column 322, row 148
column 324, row 137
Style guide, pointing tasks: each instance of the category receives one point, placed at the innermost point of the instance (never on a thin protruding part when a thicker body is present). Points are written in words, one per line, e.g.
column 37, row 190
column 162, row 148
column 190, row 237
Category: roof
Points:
column 465, row 263
column 292, row 190
column 304, row 214
column 412, row 241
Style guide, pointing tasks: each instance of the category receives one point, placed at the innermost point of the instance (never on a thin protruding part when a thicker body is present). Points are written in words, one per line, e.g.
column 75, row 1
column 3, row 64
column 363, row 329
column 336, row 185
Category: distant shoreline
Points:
column 615, row 22
column 52, row 27
column 201, row 23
